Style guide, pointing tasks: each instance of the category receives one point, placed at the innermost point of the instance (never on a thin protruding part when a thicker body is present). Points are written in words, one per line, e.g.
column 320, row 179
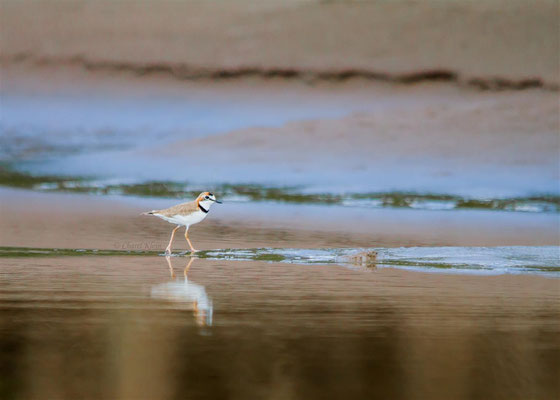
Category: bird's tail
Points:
column 148, row 212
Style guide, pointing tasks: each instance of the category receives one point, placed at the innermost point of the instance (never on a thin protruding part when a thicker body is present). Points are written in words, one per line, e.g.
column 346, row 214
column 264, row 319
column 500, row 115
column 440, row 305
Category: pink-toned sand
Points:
column 32, row 219
column 510, row 39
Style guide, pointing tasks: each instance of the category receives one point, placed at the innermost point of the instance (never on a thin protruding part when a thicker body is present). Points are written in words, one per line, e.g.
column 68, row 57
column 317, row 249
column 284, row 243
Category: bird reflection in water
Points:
column 190, row 295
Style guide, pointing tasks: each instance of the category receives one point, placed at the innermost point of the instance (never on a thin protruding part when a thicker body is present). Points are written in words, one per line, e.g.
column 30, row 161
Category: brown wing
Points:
column 181, row 209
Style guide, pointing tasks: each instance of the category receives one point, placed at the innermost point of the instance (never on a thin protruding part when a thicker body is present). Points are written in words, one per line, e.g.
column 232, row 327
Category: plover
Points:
column 186, row 214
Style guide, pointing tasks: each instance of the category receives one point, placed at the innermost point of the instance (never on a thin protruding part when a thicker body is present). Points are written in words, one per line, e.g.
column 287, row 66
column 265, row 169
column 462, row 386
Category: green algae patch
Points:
column 11, row 178
column 153, row 189
column 16, row 252
column 269, row 257
column 285, row 194
column 279, row 194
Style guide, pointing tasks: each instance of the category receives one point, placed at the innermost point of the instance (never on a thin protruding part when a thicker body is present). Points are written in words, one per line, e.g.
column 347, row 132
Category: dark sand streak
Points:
column 182, row 71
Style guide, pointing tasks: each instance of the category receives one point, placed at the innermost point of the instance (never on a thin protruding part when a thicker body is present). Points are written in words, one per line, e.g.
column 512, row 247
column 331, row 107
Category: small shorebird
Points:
column 186, row 214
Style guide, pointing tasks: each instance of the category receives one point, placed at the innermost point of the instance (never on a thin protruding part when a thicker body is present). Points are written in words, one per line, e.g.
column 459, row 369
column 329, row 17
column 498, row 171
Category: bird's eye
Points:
column 207, row 197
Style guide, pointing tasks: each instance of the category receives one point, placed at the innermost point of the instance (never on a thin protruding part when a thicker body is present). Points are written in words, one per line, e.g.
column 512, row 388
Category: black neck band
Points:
column 204, row 210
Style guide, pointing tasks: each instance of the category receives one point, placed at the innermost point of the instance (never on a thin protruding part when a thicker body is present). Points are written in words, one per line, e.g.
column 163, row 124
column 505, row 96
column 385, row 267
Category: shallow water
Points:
column 131, row 327
column 119, row 131
column 65, row 121
column 540, row 260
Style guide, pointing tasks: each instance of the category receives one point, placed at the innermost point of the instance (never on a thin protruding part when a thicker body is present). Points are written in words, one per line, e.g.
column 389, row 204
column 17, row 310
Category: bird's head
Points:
column 206, row 199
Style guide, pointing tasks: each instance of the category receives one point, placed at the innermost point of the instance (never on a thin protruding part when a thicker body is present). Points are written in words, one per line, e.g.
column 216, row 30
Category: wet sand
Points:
column 53, row 220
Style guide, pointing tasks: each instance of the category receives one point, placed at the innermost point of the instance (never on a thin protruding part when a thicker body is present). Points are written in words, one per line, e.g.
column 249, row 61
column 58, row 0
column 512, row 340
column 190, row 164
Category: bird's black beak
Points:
column 218, row 201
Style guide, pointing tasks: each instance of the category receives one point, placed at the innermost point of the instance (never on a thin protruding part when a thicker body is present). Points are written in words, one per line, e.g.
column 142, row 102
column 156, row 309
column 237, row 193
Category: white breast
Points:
column 186, row 220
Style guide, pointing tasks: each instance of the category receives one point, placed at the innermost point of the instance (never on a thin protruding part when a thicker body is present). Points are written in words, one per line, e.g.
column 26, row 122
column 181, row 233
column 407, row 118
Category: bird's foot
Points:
column 168, row 252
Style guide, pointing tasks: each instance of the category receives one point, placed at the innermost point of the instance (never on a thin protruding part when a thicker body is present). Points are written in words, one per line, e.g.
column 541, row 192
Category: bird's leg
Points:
column 168, row 249
column 193, row 250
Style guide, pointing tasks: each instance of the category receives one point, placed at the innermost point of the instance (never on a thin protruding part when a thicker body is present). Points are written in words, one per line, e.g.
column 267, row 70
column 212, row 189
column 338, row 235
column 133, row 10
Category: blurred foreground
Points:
column 129, row 328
